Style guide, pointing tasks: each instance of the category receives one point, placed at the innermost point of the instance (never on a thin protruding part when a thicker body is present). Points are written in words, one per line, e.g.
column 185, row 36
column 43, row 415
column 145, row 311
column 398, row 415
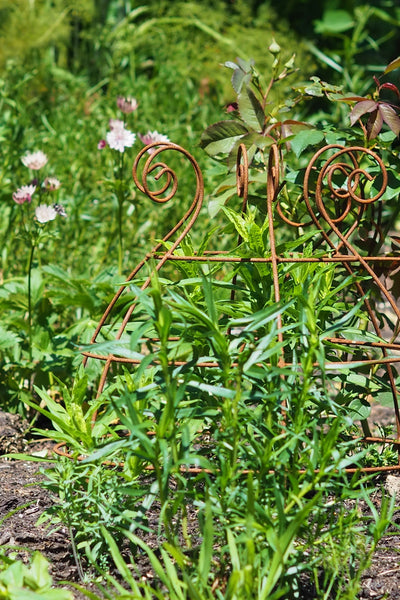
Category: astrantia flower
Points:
column 127, row 105
column 51, row 184
column 119, row 138
column 34, row 160
column 116, row 124
column 152, row 136
column 45, row 213
column 102, row 144
column 24, row 194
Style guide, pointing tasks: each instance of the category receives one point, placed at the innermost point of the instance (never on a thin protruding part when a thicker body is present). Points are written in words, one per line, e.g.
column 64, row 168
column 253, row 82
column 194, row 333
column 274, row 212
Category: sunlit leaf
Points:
column 220, row 137
column 395, row 64
column 250, row 109
column 306, row 138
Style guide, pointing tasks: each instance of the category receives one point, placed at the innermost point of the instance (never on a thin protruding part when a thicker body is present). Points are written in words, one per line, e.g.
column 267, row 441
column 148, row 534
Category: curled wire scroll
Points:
column 344, row 162
column 354, row 175
column 167, row 190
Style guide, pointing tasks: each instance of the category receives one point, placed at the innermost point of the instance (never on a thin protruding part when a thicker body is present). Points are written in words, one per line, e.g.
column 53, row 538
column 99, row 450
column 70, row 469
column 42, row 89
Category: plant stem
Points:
column 120, row 197
column 30, row 262
column 120, row 248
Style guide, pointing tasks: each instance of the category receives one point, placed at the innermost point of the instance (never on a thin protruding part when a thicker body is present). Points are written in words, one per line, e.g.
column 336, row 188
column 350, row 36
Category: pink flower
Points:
column 102, row 144
column 231, row 107
column 34, row 160
column 24, row 194
column 51, row 184
column 151, row 137
column 119, row 138
column 127, row 105
column 45, row 213
column 116, row 124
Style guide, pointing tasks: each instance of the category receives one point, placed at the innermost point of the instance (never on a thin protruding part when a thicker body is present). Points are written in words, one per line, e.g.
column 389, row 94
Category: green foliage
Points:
column 28, row 27
column 234, row 471
column 19, row 581
column 263, row 476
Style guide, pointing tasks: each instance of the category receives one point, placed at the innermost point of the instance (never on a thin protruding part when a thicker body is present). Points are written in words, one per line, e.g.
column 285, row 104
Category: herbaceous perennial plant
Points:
column 39, row 206
column 118, row 138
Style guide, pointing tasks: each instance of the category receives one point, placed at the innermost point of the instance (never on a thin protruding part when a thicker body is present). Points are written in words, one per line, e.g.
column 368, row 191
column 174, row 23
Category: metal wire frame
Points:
column 321, row 192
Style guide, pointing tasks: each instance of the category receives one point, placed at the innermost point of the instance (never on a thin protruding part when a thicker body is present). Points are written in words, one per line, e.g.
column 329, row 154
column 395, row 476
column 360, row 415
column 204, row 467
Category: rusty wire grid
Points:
column 334, row 203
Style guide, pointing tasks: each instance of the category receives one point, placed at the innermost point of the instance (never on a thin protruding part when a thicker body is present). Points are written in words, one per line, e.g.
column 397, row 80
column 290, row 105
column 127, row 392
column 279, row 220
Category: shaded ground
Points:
column 22, row 501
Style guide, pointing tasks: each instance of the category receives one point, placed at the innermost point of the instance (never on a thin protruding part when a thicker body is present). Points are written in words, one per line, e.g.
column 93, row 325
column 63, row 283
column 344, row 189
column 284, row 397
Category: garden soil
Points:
column 22, row 501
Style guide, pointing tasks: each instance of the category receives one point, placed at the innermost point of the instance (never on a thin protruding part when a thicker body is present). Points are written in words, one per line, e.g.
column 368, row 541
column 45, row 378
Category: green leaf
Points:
column 384, row 399
column 250, row 109
column 206, row 550
column 359, row 409
column 305, row 138
column 119, row 561
column 38, row 576
column 213, row 390
column 8, row 339
column 334, row 21
column 220, row 137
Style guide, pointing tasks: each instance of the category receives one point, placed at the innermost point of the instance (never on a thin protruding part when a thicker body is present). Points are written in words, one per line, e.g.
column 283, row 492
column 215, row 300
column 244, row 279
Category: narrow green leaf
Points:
column 394, row 64
column 206, row 550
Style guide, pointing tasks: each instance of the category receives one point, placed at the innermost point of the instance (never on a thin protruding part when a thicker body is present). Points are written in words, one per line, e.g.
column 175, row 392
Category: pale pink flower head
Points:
column 24, row 194
column 151, row 137
column 116, row 124
column 119, row 138
column 45, row 213
column 51, row 184
column 127, row 105
column 34, row 160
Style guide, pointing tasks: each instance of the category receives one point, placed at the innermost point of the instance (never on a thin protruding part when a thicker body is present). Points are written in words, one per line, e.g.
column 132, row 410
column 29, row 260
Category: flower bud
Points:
column 274, row 47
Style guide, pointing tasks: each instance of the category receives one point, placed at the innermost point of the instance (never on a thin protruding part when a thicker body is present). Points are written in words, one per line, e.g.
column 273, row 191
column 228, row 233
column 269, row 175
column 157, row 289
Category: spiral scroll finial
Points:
column 347, row 164
column 159, row 171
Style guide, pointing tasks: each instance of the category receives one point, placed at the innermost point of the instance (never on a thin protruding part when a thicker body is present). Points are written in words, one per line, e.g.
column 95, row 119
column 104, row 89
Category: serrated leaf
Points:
column 230, row 64
column 250, row 109
column 220, row 137
column 8, row 339
column 305, row 138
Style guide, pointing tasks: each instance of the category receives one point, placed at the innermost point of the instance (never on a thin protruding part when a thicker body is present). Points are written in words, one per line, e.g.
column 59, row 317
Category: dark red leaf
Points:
column 374, row 124
column 390, row 117
column 362, row 108
column 390, row 86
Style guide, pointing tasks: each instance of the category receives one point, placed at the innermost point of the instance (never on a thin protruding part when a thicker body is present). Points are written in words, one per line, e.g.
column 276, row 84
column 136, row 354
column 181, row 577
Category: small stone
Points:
column 392, row 486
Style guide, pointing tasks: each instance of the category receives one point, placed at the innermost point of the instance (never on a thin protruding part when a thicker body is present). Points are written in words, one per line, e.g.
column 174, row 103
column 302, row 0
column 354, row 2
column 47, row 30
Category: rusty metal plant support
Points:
column 334, row 211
